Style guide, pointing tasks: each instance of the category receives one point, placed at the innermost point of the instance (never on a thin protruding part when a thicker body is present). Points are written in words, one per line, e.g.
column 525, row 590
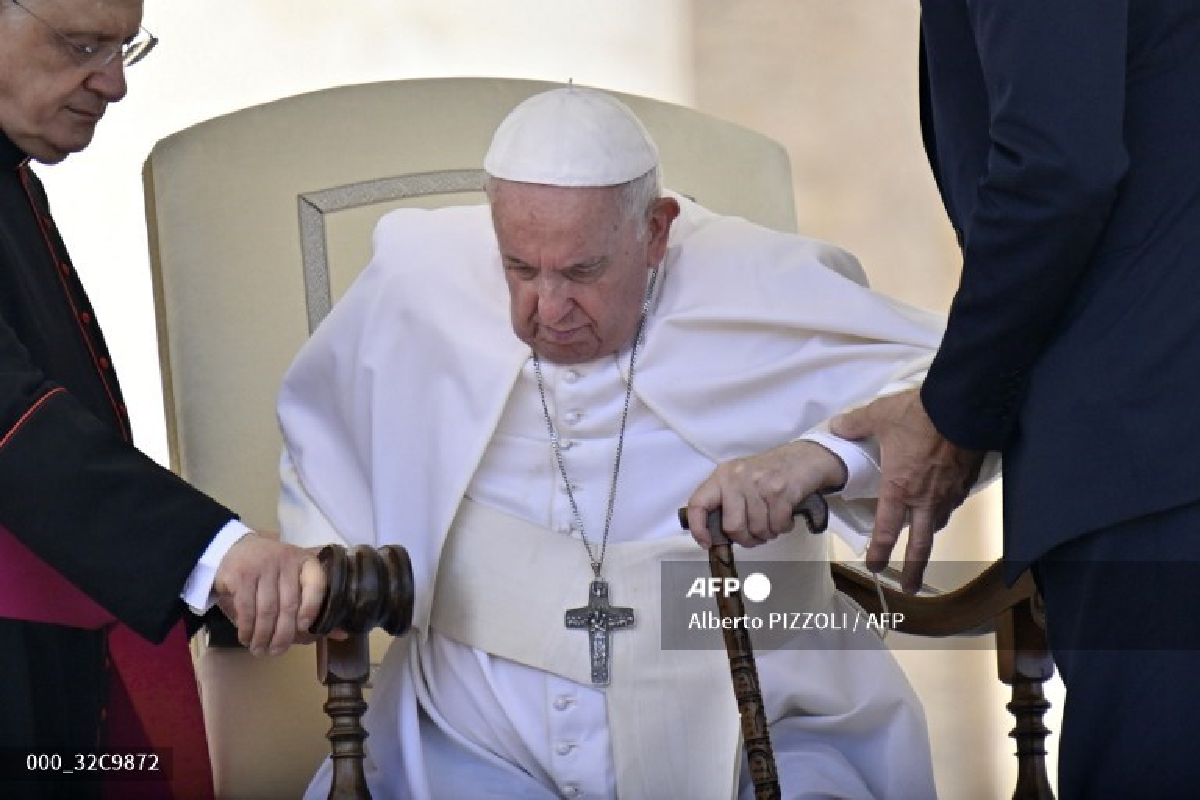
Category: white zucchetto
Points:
column 573, row 136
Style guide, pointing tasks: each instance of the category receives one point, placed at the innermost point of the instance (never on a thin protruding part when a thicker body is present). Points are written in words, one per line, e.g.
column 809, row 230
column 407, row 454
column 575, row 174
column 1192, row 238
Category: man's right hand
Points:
column 272, row 591
column 924, row 478
column 758, row 494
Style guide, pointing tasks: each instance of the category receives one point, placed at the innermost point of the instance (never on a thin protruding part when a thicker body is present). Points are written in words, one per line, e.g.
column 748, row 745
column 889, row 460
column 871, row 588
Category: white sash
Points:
column 503, row 586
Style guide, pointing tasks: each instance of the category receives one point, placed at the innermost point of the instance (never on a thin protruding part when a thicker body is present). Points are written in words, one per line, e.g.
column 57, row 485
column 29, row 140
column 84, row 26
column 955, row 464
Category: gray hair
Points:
column 635, row 199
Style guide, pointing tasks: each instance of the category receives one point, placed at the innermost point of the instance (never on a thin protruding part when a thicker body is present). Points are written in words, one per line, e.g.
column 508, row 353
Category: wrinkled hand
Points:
column 272, row 591
column 757, row 495
column 925, row 477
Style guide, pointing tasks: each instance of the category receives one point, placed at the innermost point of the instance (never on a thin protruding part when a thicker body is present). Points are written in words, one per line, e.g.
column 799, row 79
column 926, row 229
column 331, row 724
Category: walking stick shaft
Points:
column 743, row 671
column 756, row 738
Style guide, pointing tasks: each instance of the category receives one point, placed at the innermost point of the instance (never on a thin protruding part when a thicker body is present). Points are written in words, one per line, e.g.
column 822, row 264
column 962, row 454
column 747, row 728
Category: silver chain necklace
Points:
column 598, row 617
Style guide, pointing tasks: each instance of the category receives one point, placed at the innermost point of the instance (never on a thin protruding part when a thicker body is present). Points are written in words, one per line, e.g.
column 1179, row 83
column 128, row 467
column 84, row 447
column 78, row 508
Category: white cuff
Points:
column 861, row 460
column 198, row 591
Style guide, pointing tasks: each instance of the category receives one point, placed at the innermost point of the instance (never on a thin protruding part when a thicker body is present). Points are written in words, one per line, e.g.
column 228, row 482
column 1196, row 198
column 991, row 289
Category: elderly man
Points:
column 94, row 536
column 526, row 473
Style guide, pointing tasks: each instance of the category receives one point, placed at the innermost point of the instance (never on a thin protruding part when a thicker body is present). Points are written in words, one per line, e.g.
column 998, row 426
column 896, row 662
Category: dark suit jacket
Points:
column 1065, row 139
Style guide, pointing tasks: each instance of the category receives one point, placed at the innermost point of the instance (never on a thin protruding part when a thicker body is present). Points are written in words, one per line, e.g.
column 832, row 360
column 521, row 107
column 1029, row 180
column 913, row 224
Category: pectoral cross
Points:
column 600, row 619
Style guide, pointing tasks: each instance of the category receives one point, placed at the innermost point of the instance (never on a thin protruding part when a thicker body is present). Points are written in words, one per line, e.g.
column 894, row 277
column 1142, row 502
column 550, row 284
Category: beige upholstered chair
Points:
column 259, row 221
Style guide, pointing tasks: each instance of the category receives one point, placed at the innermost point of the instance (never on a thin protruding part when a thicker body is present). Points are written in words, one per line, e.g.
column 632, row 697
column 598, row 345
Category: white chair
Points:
column 258, row 221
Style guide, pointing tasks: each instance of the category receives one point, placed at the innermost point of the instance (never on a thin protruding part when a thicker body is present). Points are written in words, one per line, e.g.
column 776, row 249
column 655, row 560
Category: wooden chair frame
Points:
column 982, row 606
column 361, row 597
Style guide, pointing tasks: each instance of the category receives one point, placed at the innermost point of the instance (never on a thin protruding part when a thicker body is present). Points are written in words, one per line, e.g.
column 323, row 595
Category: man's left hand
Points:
column 757, row 495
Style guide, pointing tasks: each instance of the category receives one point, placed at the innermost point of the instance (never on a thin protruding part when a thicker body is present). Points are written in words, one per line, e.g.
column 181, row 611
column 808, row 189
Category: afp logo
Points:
column 755, row 587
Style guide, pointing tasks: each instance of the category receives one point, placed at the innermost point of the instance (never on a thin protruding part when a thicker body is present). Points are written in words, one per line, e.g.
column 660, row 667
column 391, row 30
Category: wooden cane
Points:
column 756, row 737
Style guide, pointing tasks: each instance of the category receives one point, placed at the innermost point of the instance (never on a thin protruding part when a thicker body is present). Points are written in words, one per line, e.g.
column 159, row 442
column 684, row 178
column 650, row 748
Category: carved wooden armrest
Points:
column 368, row 588
column 984, row 605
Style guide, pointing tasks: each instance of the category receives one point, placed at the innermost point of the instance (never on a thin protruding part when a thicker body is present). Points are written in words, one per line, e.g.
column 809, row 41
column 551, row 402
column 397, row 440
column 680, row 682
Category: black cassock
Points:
column 73, row 489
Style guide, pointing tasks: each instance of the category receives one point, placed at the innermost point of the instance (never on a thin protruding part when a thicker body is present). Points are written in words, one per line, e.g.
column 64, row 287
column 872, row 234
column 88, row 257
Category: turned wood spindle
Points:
column 367, row 588
column 1025, row 664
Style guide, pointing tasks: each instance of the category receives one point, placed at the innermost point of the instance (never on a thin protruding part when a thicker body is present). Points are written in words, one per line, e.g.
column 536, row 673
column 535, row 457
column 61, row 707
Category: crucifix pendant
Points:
column 600, row 619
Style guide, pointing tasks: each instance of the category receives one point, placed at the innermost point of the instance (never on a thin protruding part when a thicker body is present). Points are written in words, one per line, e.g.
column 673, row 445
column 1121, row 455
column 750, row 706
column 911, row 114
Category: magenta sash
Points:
column 32, row 590
column 153, row 702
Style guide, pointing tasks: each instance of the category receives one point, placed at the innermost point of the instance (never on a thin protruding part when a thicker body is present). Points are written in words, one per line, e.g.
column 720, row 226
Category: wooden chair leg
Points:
column 345, row 666
column 1024, row 663
column 368, row 588
column 1029, row 706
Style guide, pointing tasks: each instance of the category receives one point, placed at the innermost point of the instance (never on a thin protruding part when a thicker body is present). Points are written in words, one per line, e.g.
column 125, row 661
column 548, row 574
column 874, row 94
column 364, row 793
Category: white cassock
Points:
column 412, row 417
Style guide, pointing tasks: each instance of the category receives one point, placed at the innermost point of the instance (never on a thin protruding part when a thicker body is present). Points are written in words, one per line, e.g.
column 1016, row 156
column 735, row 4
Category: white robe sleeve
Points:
column 301, row 520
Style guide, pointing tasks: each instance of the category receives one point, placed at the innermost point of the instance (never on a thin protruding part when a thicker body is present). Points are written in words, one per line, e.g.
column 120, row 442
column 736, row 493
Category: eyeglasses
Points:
column 94, row 55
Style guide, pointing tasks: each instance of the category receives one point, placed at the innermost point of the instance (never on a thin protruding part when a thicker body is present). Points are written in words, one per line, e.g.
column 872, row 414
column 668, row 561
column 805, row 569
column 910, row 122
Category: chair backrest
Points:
column 258, row 221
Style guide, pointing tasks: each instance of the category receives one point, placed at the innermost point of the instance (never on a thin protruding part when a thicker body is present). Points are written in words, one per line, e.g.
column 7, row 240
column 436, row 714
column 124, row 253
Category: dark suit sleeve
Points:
column 1054, row 72
column 112, row 521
